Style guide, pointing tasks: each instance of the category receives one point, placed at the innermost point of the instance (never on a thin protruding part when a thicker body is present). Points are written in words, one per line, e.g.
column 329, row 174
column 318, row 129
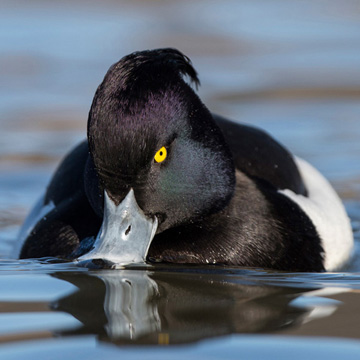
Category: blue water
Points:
column 291, row 68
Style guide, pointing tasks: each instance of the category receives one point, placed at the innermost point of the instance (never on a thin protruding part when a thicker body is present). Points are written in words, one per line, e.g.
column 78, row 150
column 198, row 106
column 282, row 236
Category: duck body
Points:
column 209, row 190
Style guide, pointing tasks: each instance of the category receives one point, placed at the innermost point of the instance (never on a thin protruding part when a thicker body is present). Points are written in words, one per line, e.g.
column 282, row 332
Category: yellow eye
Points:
column 160, row 156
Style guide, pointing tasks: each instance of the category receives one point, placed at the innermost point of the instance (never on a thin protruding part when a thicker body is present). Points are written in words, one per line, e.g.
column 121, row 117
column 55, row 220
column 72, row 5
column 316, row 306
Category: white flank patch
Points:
column 326, row 211
column 36, row 214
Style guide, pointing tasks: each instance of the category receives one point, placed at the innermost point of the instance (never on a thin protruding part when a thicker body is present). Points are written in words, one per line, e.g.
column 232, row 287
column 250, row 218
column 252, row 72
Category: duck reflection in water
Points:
column 163, row 307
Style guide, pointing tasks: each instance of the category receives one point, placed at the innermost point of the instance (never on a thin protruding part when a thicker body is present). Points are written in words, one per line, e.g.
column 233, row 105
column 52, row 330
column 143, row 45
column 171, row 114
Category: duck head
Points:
column 157, row 158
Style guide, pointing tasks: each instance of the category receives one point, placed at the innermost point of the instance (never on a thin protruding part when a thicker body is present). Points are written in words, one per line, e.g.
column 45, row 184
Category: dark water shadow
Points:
column 140, row 307
column 163, row 305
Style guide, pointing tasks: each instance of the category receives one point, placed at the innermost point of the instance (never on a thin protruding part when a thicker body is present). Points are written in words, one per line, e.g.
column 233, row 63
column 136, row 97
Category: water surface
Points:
column 290, row 68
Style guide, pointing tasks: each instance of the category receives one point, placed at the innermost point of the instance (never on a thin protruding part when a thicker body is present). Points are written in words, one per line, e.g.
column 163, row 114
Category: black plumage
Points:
column 215, row 196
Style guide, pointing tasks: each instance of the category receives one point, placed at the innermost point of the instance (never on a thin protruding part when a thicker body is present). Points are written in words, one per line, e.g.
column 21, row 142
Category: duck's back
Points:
column 258, row 155
column 62, row 217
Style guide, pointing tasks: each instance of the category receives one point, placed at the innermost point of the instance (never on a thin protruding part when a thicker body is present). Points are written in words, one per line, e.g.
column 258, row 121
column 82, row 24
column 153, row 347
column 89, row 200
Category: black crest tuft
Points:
column 152, row 65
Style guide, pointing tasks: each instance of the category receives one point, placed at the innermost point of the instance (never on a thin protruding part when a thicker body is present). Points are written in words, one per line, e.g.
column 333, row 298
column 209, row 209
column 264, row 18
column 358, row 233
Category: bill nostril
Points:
column 127, row 231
